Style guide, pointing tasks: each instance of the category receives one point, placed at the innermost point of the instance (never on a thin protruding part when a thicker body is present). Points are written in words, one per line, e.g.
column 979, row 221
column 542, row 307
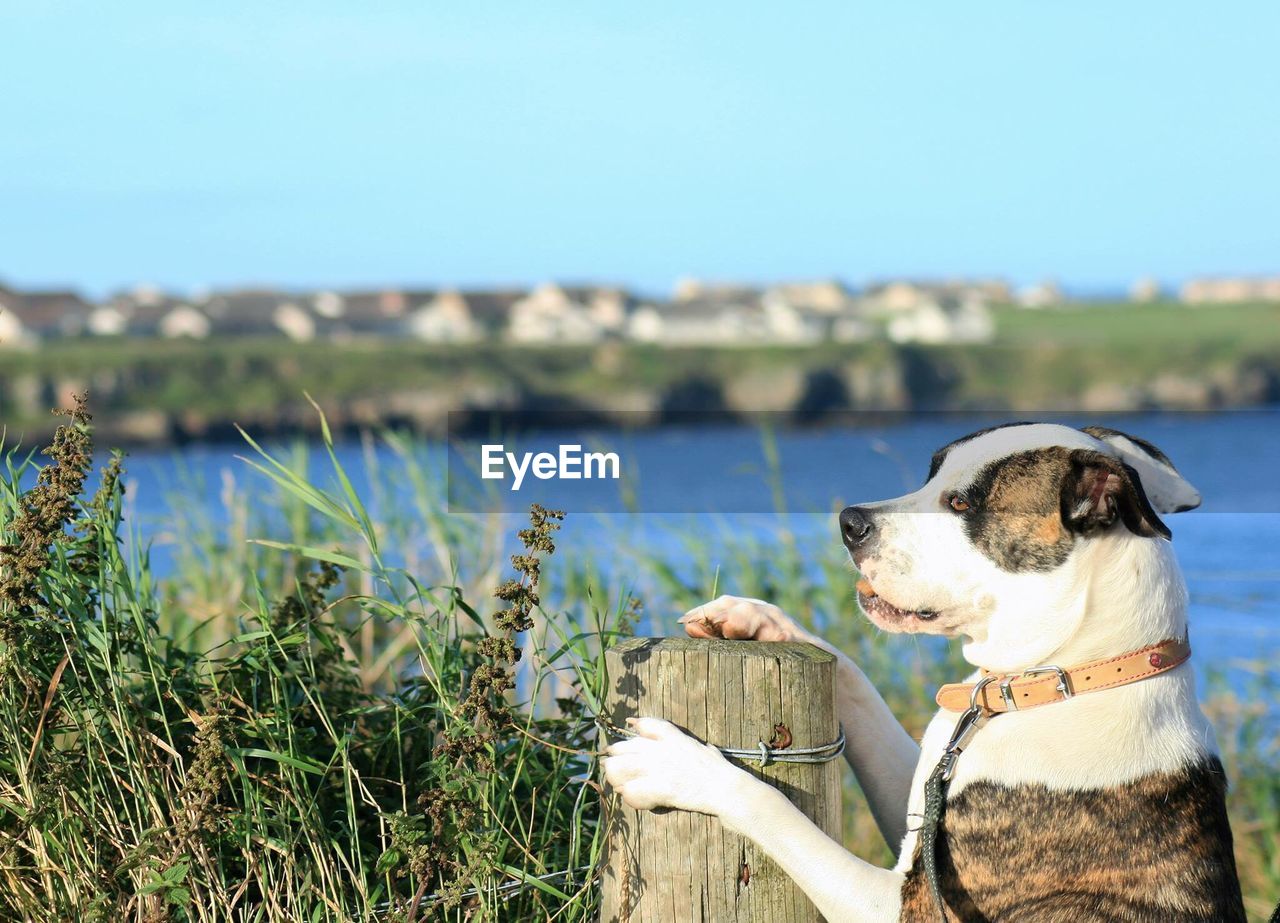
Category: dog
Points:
column 1042, row 547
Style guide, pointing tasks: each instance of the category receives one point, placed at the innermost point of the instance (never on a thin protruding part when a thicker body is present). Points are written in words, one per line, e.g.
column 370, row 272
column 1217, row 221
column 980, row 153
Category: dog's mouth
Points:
column 877, row 607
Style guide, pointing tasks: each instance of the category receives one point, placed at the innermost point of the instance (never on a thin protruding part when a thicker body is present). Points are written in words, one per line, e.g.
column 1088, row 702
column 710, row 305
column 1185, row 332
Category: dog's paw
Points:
column 741, row 619
column 662, row 767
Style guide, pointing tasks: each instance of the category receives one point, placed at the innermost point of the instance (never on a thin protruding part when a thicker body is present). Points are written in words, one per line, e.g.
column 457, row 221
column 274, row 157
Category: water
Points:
column 722, row 481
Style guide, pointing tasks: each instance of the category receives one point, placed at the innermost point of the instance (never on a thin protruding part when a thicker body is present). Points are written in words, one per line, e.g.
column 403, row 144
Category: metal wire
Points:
column 762, row 753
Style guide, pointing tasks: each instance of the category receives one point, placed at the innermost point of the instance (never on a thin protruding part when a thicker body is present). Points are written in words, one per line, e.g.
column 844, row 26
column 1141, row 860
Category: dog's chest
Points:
column 1156, row 849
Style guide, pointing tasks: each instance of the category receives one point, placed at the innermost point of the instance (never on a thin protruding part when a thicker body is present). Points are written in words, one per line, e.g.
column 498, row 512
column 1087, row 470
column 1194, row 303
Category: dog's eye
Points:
column 958, row 503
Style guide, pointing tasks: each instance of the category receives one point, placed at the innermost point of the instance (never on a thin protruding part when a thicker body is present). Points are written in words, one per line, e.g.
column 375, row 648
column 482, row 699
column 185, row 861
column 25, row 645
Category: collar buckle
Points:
column 1064, row 682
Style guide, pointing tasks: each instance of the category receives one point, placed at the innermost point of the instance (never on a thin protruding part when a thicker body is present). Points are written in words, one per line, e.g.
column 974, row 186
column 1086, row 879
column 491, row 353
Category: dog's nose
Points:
column 855, row 526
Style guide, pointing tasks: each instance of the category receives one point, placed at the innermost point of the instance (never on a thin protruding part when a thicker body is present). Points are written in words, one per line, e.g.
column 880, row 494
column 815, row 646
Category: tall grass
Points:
column 321, row 711
column 324, row 735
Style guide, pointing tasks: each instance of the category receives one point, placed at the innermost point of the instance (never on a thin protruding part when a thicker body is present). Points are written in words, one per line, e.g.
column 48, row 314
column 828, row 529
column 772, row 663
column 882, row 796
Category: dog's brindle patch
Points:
column 1156, row 850
column 1019, row 507
column 1015, row 515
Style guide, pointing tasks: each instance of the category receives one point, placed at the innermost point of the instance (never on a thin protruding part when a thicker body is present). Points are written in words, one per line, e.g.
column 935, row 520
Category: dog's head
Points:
column 996, row 546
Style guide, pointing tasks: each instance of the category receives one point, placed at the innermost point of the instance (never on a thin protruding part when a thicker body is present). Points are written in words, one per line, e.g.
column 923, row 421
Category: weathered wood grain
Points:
column 673, row 866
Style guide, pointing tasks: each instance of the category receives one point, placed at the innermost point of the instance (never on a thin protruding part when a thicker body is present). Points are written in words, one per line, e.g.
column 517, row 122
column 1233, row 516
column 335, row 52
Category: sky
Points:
column 428, row 143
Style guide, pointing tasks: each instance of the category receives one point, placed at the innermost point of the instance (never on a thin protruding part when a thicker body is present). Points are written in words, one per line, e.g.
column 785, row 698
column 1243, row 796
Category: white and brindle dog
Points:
column 1101, row 799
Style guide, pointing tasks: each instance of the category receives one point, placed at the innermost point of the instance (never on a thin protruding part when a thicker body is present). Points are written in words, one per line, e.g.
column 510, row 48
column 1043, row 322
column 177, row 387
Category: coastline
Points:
column 162, row 394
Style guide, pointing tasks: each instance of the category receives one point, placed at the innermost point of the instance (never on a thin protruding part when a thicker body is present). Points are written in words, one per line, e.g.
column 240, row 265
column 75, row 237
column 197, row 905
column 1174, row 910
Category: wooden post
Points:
column 673, row 866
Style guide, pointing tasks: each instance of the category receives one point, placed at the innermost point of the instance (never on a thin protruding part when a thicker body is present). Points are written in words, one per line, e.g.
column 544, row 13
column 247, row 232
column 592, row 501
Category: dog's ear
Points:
column 1168, row 491
column 1099, row 489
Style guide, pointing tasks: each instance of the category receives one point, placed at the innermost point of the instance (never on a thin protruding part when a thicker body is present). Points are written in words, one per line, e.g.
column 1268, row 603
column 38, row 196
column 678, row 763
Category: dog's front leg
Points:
column 880, row 751
column 664, row 767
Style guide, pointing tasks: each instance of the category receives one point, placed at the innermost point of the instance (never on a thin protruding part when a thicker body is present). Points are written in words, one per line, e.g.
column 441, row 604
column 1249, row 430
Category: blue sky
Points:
column 433, row 143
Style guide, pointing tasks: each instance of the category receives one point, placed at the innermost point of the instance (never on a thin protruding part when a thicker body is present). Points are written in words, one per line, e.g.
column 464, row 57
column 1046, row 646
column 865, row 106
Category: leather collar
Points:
column 1048, row 684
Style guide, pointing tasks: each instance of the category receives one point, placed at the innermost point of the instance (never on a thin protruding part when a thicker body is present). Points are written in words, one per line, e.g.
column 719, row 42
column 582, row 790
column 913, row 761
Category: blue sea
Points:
column 725, row 480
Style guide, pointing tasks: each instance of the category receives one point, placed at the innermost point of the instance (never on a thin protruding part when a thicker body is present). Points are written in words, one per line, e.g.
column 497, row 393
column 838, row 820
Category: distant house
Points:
column 944, row 320
column 453, row 316
column 828, row 296
column 1040, row 295
column 1145, row 290
column 850, row 328
column 791, row 323
column 691, row 289
column 554, row 313
column 491, row 309
column 29, row 318
column 716, row 314
column 353, row 315
column 892, row 297
column 328, row 305
column 13, row 332
column 808, row 312
column 990, row 291
column 720, row 317
column 148, row 312
column 607, row 305
column 55, row 313
column 111, row 317
column 181, row 320
column 889, row 298
column 1230, row 289
column 259, row 313
column 107, row 319
column 444, row 318
column 172, row 319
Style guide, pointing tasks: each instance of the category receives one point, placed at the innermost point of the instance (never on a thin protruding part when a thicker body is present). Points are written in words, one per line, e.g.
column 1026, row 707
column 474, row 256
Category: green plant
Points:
column 272, row 776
